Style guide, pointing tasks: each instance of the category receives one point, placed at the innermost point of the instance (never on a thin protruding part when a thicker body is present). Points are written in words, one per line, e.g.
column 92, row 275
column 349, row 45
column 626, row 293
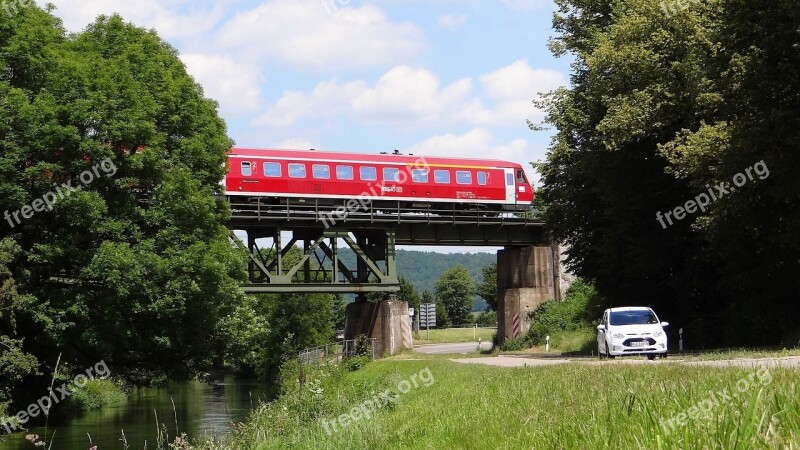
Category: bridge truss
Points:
column 325, row 232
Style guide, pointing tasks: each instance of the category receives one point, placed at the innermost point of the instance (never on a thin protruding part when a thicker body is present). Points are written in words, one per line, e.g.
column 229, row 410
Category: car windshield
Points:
column 637, row 317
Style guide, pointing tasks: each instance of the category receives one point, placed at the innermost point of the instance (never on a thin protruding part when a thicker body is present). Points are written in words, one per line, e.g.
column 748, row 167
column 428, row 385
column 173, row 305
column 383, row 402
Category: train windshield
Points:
column 521, row 177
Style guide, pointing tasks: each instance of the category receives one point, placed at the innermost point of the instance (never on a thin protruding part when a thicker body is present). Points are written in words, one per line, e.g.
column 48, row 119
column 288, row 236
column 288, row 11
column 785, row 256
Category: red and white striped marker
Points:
column 516, row 326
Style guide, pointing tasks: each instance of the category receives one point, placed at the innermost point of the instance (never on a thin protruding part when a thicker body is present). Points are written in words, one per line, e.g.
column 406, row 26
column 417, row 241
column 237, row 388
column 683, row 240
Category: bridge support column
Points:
column 386, row 321
column 526, row 278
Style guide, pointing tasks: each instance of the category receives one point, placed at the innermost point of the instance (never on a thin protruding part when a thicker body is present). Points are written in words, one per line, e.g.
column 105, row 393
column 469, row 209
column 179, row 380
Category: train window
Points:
column 368, row 173
column 247, row 169
column 483, row 178
column 391, row 174
column 321, row 171
column 272, row 169
column 441, row 176
column 419, row 175
column 463, row 177
column 521, row 177
column 297, row 170
column 509, row 179
column 344, row 172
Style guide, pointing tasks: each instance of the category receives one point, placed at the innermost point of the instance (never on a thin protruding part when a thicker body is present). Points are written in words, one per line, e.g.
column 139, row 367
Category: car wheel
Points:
column 651, row 357
column 608, row 353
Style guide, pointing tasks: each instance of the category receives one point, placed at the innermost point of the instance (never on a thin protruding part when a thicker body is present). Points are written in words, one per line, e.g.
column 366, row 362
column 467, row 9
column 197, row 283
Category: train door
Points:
column 511, row 191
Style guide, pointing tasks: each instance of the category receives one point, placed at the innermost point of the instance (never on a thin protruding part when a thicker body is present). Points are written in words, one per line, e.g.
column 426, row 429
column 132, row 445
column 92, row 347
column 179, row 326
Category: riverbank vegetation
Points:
column 574, row 405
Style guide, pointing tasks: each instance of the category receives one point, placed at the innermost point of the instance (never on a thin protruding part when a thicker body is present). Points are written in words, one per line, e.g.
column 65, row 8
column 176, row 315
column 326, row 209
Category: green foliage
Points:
column 15, row 364
column 442, row 318
column 486, row 319
column 135, row 268
column 455, row 291
column 356, row 362
column 600, row 414
column 515, row 345
column 660, row 108
column 487, row 288
column 362, row 346
column 576, row 312
column 297, row 322
column 408, row 293
column 97, row 394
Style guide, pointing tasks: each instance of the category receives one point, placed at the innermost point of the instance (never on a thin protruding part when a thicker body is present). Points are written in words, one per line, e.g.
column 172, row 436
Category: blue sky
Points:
column 435, row 77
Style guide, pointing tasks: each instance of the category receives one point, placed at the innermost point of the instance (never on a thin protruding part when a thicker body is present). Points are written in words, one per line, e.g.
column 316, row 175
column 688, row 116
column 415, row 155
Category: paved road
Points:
column 461, row 348
column 526, row 361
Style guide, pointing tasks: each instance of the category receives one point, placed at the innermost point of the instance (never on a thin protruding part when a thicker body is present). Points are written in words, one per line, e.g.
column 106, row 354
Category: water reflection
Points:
column 200, row 410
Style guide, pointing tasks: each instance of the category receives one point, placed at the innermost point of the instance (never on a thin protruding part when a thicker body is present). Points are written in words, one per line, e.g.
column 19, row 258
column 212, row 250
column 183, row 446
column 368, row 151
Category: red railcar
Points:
column 333, row 177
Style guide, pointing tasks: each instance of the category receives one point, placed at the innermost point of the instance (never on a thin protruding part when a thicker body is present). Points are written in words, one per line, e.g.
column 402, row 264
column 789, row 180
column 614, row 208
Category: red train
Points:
column 382, row 179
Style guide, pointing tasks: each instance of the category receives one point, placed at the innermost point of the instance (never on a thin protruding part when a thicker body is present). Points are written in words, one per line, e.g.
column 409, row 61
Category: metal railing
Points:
column 333, row 352
column 383, row 211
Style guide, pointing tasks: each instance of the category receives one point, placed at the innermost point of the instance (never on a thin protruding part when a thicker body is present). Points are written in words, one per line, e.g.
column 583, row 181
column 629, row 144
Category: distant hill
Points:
column 422, row 269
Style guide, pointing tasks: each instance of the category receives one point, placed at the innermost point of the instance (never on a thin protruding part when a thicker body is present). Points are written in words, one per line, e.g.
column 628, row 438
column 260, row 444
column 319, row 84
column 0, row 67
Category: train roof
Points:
column 370, row 157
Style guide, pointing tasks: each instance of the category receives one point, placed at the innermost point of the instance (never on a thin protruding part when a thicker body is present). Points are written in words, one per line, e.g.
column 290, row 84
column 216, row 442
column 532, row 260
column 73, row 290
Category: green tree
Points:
column 15, row 364
column 487, row 288
column 408, row 294
column 297, row 322
column 455, row 291
column 135, row 268
column 638, row 79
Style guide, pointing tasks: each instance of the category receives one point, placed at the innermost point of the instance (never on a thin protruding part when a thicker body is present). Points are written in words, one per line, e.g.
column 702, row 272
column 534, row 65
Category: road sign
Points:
column 427, row 315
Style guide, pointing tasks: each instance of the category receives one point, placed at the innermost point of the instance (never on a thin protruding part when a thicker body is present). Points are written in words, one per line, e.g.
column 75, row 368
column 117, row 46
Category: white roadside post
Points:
column 547, row 343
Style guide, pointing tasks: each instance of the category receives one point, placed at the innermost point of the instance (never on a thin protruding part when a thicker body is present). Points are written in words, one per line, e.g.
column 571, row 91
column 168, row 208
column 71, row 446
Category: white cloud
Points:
column 519, row 81
column 413, row 98
column 234, row 85
column 513, row 89
column 476, row 143
column 479, row 143
column 452, row 21
column 173, row 19
column 305, row 34
column 402, row 96
column 405, row 94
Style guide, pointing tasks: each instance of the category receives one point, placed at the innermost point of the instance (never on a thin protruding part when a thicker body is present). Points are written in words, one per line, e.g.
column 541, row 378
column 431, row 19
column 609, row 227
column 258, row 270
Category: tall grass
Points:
column 609, row 406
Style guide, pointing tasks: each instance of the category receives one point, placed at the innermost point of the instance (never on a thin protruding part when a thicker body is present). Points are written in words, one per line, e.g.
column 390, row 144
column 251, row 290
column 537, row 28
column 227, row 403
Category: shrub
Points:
column 355, row 363
column 575, row 313
column 513, row 345
column 486, row 318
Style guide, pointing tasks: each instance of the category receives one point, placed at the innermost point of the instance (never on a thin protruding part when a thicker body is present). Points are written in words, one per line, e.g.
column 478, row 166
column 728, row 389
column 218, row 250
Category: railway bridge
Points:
column 528, row 266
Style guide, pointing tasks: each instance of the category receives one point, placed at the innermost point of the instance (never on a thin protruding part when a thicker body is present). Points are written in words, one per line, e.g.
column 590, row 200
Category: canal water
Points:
column 201, row 411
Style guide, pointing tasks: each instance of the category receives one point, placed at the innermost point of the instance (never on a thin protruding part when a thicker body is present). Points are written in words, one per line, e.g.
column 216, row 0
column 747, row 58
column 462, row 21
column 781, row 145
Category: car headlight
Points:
column 618, row 335
column 658, row 333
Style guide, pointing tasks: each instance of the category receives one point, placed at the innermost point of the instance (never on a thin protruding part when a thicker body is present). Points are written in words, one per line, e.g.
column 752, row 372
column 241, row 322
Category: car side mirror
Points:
column 664, row 324
column 601, row 327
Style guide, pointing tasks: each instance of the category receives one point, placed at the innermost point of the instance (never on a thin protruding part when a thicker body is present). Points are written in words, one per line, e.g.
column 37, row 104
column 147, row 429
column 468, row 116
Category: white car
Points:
column 633, row 330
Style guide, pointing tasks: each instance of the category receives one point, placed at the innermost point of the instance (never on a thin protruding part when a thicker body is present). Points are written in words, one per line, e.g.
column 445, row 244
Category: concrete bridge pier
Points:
column 526, row 278
column 387, row 321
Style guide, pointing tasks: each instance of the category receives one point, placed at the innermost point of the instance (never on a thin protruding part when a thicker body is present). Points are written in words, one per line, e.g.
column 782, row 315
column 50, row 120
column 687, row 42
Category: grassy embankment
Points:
column 565, row 406
column 454, row 335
